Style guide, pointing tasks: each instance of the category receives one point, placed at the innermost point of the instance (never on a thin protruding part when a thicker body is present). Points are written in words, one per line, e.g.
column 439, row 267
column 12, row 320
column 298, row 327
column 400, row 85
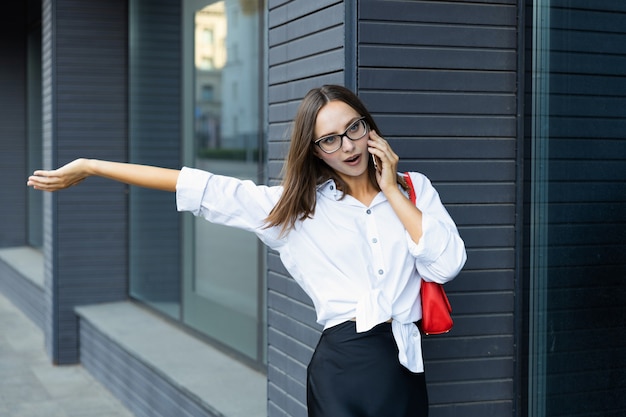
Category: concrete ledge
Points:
column 157, row 369
column 22, row 280
column 27, row 261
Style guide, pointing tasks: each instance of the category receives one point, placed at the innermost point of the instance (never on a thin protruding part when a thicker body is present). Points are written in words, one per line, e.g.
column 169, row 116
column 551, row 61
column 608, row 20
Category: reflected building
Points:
column 227, row 65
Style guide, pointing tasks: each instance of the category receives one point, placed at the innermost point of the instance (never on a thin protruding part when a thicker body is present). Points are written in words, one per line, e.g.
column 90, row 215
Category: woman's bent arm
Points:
column 76, row 171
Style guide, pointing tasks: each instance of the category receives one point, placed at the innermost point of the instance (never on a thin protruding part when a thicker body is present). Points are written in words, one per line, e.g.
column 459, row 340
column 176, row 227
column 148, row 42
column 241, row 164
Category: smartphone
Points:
column 377, row 163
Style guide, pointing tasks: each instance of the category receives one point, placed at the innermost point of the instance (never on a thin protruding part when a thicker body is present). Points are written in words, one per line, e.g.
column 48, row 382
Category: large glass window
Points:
column 154, row 139
column 210, row 94
column 223, row 275
column 576, row 217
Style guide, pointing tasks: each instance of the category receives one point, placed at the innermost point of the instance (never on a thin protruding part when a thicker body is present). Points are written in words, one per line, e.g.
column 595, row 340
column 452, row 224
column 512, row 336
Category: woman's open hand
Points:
column 59, row 179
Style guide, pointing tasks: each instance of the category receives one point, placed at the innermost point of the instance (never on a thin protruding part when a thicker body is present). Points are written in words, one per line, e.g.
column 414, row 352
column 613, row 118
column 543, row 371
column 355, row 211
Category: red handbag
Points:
column 436, row 308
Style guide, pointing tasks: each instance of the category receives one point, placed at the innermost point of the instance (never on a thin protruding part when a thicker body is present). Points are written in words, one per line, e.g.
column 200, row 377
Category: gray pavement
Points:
column 30, row 386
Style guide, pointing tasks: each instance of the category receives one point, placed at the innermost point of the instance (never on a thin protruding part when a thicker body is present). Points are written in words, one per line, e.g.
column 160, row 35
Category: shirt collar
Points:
column 329, row 189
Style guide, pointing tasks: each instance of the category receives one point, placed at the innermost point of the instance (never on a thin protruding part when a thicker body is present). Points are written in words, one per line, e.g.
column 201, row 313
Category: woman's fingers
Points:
column 58, row 179
column 380, row 147
column 386, row 174
column 52, row 180
column 42, row 180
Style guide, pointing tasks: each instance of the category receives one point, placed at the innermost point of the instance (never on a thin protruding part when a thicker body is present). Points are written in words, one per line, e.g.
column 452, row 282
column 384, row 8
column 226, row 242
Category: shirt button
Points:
column 415, row 333
column 369, row 211
column 332, row 187
column 374, row 240
column 380, row 272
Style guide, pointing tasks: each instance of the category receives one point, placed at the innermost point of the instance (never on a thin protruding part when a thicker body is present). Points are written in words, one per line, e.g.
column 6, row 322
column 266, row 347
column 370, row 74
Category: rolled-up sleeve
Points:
column 228, row 201
column 440, row 254
column 190, row 190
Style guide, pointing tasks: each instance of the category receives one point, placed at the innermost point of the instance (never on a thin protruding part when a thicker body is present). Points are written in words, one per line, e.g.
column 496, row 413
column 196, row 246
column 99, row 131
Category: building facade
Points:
column 516, row 110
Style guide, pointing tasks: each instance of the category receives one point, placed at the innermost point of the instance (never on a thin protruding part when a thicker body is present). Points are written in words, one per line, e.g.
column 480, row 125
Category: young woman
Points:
column 347, row 233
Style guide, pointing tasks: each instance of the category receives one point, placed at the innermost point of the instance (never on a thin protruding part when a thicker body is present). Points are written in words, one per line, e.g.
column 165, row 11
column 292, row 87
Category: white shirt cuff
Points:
column 190, row 189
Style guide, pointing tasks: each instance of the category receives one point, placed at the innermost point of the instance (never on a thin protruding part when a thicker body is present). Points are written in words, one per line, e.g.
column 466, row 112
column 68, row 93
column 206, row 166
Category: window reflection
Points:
column 224, row 296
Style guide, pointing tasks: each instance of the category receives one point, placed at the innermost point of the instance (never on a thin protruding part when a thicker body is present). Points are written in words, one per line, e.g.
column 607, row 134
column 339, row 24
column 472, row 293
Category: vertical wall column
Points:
column 84, row 48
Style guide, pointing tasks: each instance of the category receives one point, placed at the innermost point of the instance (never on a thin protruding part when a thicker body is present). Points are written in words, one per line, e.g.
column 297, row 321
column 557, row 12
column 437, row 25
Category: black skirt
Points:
column 358, row 375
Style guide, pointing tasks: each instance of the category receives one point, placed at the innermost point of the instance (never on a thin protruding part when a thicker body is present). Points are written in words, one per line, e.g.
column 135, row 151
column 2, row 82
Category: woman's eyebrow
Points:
column 354, row 119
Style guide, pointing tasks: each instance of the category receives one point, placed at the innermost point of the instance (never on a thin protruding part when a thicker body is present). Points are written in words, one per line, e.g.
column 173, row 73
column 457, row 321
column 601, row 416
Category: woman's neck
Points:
column 361, row 189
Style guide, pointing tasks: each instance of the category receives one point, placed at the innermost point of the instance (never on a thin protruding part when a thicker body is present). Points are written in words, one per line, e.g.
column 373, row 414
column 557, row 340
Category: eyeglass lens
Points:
column 332, row 143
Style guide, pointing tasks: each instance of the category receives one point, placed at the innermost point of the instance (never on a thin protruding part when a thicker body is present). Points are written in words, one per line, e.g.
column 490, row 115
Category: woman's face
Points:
column 351, row 159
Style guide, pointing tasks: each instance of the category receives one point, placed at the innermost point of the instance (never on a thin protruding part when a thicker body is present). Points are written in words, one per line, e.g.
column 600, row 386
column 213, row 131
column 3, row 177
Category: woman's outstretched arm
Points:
column 76, row 171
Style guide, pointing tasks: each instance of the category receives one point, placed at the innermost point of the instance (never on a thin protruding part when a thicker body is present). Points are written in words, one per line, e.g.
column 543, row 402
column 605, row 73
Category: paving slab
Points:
column 31, row 386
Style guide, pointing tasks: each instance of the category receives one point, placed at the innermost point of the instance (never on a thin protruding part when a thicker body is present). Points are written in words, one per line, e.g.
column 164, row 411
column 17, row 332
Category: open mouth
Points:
column 352, row 160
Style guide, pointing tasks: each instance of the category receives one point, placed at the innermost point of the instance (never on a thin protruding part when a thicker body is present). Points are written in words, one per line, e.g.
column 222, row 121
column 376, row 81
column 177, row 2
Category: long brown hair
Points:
column 303, row 171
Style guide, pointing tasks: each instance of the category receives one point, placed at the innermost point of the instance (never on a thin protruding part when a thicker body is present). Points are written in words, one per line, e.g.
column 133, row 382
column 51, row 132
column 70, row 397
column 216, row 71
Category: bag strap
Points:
column 409, row 183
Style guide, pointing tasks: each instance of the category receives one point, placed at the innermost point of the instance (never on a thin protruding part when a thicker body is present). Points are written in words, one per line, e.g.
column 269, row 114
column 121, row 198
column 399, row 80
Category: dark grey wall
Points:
column 441, row 79
column 13, row 209
column 84, row 107
column 581, row 213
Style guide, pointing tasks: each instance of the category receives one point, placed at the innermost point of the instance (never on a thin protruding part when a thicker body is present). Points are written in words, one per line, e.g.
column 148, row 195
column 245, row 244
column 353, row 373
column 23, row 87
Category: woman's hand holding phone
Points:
column 385, row 161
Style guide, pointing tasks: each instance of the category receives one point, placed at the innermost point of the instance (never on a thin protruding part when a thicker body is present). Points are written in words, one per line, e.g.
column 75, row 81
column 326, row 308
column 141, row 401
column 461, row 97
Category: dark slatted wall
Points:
column 84, row 108
column 306, row 49
column 584, row 192
column 440, row 78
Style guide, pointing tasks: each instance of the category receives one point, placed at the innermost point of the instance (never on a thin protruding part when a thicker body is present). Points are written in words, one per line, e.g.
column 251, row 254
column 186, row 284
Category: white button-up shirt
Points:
column 353, row 261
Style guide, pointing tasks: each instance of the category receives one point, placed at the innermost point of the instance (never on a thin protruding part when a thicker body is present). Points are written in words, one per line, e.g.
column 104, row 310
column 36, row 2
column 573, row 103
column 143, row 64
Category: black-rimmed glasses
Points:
column 332, row 143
